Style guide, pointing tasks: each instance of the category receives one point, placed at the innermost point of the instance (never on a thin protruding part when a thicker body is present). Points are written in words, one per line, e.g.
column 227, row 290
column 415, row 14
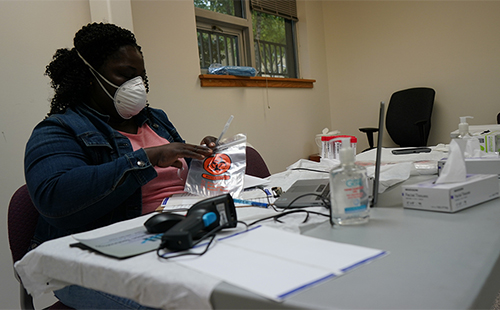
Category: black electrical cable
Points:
column 282, row 213
column 309, row 169
column 184, row 253
column 278, row 216
column 325, row 200
column 207, row 235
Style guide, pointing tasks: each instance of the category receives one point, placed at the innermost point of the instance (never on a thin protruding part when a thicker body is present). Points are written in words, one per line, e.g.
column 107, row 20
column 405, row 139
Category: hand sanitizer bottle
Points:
column 463, row 128
column 349, row 189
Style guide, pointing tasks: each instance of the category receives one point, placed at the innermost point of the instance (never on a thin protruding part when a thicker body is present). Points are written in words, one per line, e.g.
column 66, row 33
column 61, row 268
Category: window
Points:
column 273, row 56
column 217, row 47
column 257, row 33
column 229, row 7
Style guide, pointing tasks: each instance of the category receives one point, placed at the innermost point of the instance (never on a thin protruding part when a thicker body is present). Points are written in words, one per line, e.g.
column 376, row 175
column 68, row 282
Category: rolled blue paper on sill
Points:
column 219, row 69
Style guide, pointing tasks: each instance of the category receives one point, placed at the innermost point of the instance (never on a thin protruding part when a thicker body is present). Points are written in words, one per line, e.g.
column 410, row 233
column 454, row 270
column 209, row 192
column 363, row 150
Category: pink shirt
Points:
column 169, row 181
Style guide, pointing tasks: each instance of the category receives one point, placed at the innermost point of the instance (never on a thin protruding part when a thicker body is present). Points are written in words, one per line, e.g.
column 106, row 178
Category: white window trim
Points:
column 242, row 27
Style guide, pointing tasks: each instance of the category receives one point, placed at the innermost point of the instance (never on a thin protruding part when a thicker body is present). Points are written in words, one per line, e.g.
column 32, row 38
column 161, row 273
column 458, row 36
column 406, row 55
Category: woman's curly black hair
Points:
column 71, row 78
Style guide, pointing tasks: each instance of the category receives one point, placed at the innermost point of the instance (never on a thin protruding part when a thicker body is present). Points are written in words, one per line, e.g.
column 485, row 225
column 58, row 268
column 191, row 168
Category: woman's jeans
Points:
column 78, row 297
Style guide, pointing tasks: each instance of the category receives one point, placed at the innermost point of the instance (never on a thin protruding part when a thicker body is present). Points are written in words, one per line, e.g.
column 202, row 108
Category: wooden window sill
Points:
column 212, row 80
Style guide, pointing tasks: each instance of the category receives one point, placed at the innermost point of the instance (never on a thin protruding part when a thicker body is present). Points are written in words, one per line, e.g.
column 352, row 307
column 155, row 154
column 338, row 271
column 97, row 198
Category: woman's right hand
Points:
column 168, row 154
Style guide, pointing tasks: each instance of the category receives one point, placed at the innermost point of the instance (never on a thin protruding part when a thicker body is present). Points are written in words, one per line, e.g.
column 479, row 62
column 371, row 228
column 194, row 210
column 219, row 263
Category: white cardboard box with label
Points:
column 451, row 197
column 477, row 165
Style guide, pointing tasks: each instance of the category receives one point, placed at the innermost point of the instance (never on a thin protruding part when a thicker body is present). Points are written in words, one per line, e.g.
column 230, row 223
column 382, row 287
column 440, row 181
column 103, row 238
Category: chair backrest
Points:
column 21, row 222
column 408, row 118
column 256, row 166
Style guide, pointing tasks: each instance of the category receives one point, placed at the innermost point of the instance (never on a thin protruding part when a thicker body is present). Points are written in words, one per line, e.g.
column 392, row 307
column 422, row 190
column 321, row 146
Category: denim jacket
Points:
column 83, row 174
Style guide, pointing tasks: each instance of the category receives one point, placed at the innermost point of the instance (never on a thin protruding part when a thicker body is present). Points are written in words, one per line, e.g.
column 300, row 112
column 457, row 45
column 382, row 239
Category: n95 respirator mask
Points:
column 130, row 97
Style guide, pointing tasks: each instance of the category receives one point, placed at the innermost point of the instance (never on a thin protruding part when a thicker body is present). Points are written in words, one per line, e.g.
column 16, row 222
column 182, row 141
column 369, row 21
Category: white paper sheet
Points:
column 184, row 201
column 275, row 264
column 251, row 181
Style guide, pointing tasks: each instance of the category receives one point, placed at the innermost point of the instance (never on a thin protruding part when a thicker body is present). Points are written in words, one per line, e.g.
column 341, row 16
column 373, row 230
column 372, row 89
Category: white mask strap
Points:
column 92, row 70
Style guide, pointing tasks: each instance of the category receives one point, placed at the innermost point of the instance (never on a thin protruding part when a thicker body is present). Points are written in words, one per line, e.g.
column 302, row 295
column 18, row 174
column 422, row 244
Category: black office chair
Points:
column 408, row 117
column 21, row 222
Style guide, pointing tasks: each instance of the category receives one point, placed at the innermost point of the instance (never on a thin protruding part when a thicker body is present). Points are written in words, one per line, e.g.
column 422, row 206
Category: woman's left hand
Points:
column 209, row 141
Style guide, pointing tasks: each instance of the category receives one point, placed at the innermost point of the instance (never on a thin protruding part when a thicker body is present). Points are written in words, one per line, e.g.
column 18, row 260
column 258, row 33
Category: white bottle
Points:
column 469, row 145
column 349, row 189
column 463, row 128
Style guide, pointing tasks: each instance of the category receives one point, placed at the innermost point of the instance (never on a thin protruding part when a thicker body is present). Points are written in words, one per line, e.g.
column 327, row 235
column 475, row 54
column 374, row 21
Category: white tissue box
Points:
column 485, row 165
column 451, row 197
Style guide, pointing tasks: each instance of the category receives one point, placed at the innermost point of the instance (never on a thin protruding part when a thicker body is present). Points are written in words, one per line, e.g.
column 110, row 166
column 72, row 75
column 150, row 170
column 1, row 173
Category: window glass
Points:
column 270, row 44
column 268, row 27
column 229, row 7
column 215, row 47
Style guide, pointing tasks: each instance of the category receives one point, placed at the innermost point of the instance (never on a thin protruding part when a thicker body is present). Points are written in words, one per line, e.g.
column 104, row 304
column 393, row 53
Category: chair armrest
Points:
column 369, row 134
column 420, row 124
column 368, row 129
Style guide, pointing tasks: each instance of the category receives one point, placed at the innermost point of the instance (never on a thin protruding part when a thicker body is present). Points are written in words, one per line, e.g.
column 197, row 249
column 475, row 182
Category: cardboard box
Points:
column 484, row 165
column 488, row 136
column 451, row 197
column 489, row 142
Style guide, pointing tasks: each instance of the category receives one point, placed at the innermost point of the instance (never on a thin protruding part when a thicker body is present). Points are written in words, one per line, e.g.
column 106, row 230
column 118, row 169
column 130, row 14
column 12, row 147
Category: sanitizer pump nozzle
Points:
column 346, row 153
column 463, row 127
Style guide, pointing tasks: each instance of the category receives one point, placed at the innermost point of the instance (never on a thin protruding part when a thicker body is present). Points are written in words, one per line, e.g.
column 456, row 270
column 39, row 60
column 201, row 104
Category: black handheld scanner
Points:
column 203, row 217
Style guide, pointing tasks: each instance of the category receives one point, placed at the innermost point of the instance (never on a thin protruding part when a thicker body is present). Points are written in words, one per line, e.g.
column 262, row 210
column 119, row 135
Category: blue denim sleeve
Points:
column 75, row 180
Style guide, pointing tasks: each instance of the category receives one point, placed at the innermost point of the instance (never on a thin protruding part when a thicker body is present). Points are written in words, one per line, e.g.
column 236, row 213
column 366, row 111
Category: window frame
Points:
column 224, row 32
column 212, row 80
column 242, row 27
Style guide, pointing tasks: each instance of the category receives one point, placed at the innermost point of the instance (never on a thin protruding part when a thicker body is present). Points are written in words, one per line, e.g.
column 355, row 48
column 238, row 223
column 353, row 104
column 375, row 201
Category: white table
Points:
column 436, row 261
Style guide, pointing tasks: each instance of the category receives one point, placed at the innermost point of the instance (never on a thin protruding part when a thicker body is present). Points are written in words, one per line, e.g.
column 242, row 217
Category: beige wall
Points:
column 375, row 48
column 282, row 132
column 280, row 123
column 30, row 33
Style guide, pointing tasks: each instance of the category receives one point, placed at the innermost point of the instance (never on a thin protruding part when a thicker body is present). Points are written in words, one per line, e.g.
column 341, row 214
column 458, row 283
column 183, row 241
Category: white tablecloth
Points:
column 147, row 279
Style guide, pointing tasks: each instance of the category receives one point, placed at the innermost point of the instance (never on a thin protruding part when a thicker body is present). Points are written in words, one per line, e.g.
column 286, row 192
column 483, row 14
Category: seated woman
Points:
column 102, row 155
